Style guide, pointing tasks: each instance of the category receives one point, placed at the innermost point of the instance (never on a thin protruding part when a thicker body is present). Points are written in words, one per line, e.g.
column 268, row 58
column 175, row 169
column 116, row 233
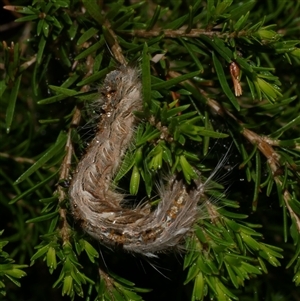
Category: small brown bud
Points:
column 235, row 76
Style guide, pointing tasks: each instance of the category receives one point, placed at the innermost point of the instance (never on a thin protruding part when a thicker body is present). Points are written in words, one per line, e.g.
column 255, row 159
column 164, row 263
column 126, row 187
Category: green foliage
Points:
column 214, row 73
column 8, row 269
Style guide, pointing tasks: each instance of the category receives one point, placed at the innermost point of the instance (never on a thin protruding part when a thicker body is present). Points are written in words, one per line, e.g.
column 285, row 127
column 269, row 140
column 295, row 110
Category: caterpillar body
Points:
column 96, row 205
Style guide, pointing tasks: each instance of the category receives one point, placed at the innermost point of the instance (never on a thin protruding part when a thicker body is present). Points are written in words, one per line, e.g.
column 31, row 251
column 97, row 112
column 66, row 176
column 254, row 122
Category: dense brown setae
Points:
column 95, row 203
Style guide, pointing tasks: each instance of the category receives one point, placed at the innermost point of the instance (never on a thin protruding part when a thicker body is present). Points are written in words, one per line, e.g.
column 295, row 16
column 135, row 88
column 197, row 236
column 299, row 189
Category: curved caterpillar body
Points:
column 94, row 202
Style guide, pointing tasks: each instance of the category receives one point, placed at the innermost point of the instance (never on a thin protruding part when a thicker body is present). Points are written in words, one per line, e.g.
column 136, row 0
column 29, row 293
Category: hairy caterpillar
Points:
column 94, row 202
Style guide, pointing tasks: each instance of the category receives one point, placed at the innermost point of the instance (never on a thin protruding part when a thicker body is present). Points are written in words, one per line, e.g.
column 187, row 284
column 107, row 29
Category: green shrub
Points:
column 221, row 77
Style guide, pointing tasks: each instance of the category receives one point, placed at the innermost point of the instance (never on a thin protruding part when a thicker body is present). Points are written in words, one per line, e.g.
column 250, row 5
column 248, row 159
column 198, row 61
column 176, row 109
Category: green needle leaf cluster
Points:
column 192, row 56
